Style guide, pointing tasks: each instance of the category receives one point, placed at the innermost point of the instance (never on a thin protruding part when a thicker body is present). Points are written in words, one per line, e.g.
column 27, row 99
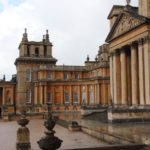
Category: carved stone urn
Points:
column 49, row 142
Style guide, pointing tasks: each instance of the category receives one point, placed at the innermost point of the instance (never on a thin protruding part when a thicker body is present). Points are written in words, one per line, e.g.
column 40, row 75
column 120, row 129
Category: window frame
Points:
column 28, row 75
column 28, row 96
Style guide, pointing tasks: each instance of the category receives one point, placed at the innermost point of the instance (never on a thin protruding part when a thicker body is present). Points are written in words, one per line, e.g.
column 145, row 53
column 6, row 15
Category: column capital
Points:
column 134, row 44
column 117, row 52
column 146, row 39
column 140, row 41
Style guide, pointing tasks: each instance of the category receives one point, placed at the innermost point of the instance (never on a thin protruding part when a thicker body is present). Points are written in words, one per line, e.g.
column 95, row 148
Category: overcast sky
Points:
column 76, row 27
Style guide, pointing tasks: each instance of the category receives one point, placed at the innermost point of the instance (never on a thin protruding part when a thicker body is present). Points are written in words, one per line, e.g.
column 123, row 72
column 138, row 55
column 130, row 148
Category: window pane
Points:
column 65, row 76
column 75, row 97
column 48, row 75
column 28, row 96
column 28, row 75
column 66, row 95
column 76, row 76
column 48, row 97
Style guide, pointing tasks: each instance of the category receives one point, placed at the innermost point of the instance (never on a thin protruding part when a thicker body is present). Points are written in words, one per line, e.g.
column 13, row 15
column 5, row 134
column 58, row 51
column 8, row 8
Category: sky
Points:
column 77, row 28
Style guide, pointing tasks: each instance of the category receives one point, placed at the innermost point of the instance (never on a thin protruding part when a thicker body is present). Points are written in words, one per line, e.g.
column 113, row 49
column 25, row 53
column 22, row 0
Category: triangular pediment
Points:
column 123, row 24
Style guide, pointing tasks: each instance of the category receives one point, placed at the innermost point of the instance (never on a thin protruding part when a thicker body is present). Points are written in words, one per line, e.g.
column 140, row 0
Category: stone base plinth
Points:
column 74, row 128
column 129, row 114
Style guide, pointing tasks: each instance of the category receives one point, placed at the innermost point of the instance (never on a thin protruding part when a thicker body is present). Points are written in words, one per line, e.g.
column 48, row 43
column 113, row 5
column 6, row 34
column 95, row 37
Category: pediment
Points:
column 123, row 24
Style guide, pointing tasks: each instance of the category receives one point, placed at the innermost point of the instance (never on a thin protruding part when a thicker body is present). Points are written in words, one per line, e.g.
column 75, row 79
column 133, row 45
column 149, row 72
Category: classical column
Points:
column 62, row 95
column 117, row 78
column 35, row 94
column 45, row 94
column 134, row 74
column 98, row 94
column 141, row 72
column 147, row 69
column 4, row 96
column 87, row 95
column 12, row 96
column 41, row 94
column 123, row 77
column 111, row 78
column 79, row 94
column 95, row 95
column 70, row 95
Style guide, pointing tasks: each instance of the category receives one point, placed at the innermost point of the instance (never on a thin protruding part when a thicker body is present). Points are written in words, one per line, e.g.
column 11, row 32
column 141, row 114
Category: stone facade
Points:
column 119, row 76
column 40, row 81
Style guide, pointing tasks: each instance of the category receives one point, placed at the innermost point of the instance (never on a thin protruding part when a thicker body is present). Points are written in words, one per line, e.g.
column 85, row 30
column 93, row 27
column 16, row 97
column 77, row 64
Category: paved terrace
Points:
column 132, row 132
column 70, row 140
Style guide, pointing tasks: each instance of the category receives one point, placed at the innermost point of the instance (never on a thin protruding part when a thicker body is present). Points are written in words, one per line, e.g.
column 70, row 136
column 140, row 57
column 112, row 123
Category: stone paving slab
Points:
column 70, row 139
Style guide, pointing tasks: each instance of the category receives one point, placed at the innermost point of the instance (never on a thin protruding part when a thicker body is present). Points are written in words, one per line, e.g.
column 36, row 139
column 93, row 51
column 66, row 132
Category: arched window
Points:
column 28, row 75
column 28, row 96
column 36, row 52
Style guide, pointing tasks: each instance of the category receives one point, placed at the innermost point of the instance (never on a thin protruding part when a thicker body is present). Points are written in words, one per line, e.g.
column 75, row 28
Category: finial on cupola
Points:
column 88, row 58
column 47, row 36
column 25, row 36
column 128, row 2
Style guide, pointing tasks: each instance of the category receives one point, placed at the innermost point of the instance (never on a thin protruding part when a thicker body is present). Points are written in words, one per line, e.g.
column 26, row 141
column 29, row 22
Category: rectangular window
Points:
column 36, row 52
column 48, row 97
column 83, row 97
column 66, row 97
column 75, row 97
column 28, row 75
column 48, row 75
column 28, row 96
column 45, row 50
column 76, row 76
column 65, row 76
column 28, row 51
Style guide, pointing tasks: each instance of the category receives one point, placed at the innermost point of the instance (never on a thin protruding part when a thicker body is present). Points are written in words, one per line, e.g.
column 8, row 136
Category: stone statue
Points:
column 128, row 2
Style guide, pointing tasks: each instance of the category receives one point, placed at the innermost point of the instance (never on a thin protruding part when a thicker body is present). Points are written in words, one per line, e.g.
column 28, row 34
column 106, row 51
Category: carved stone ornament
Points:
column 49, row 142
column 125, row 24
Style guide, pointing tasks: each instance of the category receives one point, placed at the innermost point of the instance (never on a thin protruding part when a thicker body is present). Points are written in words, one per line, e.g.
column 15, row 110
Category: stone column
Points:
column 134, row 74
column 87, row 95
column 95, row 95
column 35, row 94
column 147, row 69
column 129, row 85
column 12, row 96
column 4, row 96
column 117, row 78
column 141, row 72
column 70, row 95
column 111, row 78
column 45, row 94
column 62, row 95
column 123, row 77
column 79, row 94
column 98, row 94
column 41, row 94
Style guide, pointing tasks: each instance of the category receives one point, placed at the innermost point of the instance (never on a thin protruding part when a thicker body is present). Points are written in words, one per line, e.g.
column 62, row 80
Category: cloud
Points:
column 76, row 27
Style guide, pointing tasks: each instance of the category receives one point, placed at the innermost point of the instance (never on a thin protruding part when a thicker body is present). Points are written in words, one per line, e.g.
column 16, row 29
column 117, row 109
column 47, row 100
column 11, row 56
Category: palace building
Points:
column 118, row 79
